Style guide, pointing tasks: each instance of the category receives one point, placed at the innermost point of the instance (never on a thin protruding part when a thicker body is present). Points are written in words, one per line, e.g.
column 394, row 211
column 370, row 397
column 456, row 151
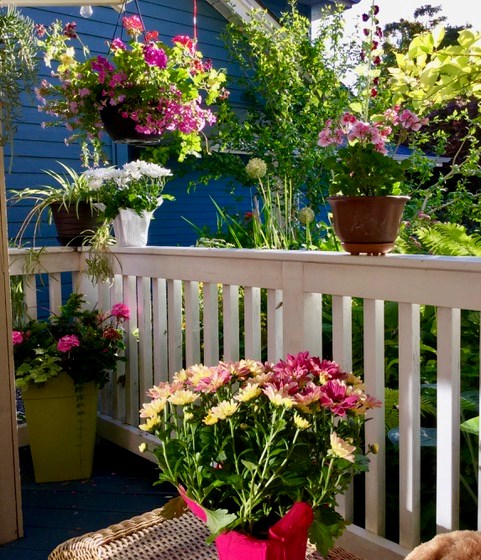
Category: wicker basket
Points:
column 152, row 537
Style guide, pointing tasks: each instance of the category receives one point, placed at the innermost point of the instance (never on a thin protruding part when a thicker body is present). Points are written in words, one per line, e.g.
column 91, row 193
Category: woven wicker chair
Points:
column 152, row 537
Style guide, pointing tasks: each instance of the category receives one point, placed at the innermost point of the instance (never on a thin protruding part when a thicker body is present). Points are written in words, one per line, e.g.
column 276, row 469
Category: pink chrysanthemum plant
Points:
column 84, row 344
column 364, row 146
column 165, row 89
column 247, row 440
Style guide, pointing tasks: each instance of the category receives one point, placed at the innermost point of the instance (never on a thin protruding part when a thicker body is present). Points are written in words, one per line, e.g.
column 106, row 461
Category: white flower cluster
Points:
column 139, row 168
column 130, row 172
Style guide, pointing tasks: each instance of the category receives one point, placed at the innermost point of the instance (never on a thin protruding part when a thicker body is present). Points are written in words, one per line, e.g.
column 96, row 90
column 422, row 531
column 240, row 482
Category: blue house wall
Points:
column 37, row 149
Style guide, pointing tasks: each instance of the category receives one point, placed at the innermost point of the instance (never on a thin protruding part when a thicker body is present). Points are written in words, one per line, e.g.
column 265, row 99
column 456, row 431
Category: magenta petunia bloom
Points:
column 118, row 44
column 17, row 337
column 155, row 56
column 67, row 342
column 121, row 311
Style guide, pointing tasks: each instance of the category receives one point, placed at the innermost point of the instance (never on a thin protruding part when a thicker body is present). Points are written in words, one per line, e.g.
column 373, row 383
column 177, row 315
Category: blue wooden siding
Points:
column 38, row 149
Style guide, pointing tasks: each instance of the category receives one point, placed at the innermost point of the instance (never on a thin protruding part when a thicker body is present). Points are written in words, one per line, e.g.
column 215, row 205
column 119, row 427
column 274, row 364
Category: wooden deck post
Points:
column 11, row 526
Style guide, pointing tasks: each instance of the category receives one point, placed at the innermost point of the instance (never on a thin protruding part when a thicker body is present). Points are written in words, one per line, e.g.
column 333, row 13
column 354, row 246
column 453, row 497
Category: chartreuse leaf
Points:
column 438, row 35
column 218, row 519
column 471, row 426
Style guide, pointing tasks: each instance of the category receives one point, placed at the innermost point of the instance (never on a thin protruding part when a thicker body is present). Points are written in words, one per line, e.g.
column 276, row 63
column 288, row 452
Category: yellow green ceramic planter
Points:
column 61, row 429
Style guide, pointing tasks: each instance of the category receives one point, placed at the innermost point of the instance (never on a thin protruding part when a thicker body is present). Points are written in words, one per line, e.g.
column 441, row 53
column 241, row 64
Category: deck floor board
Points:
column 122, row 486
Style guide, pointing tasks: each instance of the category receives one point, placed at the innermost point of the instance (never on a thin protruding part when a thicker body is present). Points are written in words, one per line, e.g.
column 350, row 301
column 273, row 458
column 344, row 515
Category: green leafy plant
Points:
column 84, row 344
column 18, row 63
column 163, row 89
column 290, row 82
column 248, row 439
column 69, row 191
column 362, row 148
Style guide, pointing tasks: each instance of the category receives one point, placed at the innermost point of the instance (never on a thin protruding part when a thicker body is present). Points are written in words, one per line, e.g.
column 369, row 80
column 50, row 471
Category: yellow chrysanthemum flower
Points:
column 183, row 397
column 153, row 408
column 341, row 448
column 355, row 380
column 301, row 423
column 151, row 424
column 198, row 372
column 188, row 416
column 224, row 409
column 210, row 420
column 278, row 398
column 180, row 376
column 249, row 392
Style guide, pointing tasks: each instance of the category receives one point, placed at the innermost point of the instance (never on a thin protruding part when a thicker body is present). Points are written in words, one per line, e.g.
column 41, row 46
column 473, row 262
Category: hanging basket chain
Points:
column 195, row 20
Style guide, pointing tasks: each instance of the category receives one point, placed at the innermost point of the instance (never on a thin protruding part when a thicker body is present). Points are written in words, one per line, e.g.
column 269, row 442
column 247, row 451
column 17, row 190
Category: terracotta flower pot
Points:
column 286, row 539
column 367, row 224
column 75, row 223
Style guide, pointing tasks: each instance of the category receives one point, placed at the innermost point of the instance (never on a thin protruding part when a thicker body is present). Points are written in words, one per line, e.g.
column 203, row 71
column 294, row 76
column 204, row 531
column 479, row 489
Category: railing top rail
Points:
column 327, row 257
column 421, row 279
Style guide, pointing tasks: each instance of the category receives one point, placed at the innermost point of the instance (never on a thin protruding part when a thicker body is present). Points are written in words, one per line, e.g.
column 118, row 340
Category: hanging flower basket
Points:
column 123, row 129
column 158, row 90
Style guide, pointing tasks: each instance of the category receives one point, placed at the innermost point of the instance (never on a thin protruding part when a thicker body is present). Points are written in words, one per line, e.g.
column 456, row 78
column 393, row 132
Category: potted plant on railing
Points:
column 260, row 451
column 366, row 179
column 365, row 185
column 129, row 197
column 60, row 364
column 152, row 90
column 71, row 202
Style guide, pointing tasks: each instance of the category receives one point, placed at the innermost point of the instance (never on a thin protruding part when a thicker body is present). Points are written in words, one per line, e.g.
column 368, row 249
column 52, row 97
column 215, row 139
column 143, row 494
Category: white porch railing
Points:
column 181, row 298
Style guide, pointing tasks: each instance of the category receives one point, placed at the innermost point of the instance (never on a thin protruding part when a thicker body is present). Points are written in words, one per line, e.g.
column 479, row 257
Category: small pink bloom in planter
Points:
column 17, row 337
column 67, row 342
column 121, row 311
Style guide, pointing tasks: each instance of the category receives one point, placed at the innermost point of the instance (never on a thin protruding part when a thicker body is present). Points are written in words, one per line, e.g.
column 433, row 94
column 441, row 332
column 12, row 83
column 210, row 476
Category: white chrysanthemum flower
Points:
column 138, row 169
column 341, row 448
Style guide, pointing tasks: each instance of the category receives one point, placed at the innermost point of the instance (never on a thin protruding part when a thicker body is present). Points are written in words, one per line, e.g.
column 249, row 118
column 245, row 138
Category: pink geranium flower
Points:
column 17, row 337
column 67, row 342
column 133, row 25
column 121, row 311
